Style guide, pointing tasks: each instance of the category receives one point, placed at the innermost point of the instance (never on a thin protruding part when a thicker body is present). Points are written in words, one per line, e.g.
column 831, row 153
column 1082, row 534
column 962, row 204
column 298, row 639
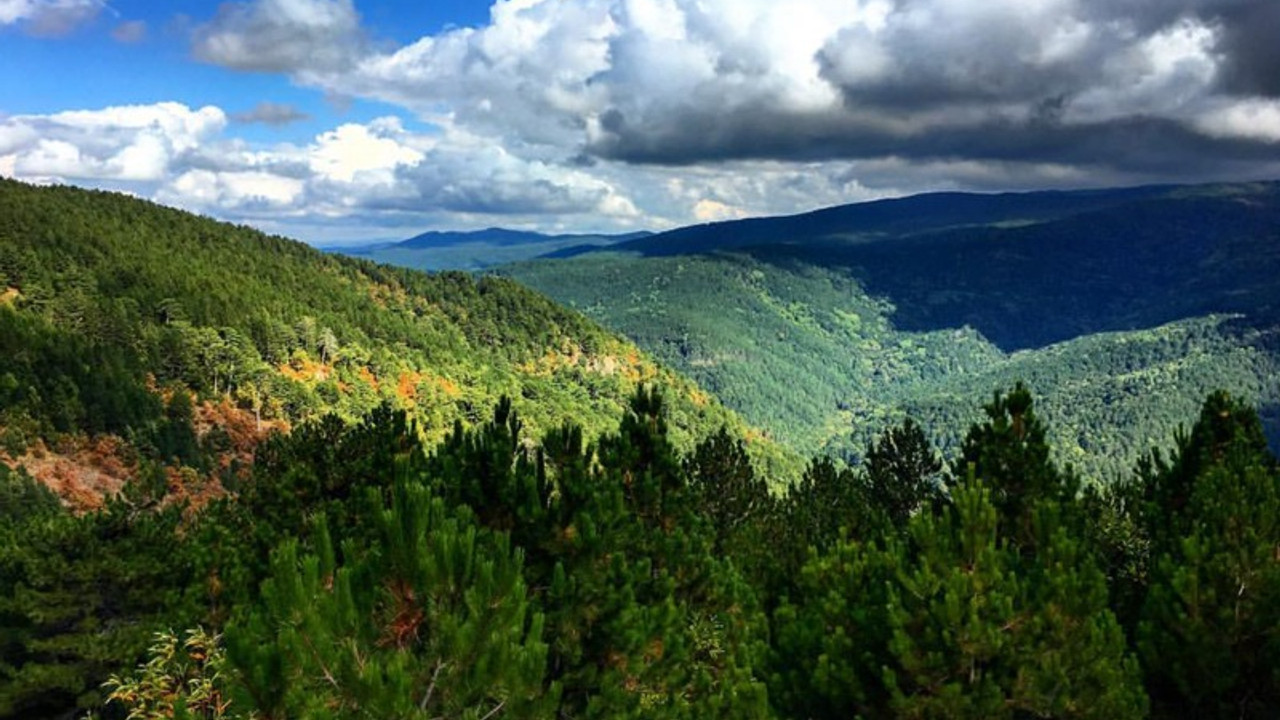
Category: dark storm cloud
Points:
column 1140, row 144
column 1119, row 85
column 1250, row 44
column 1248, row 34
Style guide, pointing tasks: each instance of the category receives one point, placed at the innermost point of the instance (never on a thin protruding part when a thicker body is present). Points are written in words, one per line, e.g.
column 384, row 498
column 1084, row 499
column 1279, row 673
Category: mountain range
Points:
column 478, row 249
column 825, row 327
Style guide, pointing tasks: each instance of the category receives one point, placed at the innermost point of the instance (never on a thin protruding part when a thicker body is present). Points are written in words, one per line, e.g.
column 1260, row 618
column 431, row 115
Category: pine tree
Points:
column 982, row 631
column 954, row 622
column 903, row 472
column 433, row 621
column 1209, row 624
column 827, row 505
column 735, row 502
column 831, row 636
column 80, row 598
column 647, row 622
column 1009, row 452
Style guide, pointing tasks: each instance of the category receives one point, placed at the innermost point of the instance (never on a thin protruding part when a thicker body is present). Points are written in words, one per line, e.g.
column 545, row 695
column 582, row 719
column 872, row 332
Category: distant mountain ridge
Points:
column 506, row 237
column 891, row 217
column 479, row 249
column 1086, row 261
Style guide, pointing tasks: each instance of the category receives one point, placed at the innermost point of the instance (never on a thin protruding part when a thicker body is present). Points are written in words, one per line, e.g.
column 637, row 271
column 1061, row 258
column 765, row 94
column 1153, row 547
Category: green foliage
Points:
column 957, row 623
column 642, row 617
column 831, row 636
column 621, row 579
column 23, row 499
column 1010, row 453
column 431, row 621
column 1209, row 625
column 981, row 630
column 903, row 472
column 80, row 598
column 60, row 382
column 179, row 681
column 735, row 502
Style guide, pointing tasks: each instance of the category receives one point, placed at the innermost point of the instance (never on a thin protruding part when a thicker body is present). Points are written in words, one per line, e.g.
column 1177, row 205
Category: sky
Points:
column 338, row 121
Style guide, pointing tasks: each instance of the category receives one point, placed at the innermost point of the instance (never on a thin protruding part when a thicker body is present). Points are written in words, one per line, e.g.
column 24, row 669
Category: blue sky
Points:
column 85, row 67
column 344, row 120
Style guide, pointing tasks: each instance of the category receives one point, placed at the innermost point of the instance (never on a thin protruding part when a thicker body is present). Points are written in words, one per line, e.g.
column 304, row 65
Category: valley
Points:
column 1119, row 308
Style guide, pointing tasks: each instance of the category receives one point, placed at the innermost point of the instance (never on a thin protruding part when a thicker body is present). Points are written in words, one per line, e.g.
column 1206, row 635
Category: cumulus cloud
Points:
column 270, row 113
column 377, row 173
column 133, row 143
column 1139, row 89
column 48, row 18
column 298, row 36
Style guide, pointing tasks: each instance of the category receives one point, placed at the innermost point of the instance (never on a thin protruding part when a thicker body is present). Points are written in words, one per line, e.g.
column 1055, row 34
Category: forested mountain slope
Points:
column 111, row 305
column 823, row 327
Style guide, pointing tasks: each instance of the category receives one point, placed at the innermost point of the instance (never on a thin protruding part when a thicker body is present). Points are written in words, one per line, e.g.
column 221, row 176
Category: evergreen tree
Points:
column 981, row 631
column 80, row 598
column 831, row 636
column 735, row 502
column 433, row 621
column 1208, row 634
column 954, row 622
column 902, row 472
column 828, row 504
column 1010, row 454
column 648, row 623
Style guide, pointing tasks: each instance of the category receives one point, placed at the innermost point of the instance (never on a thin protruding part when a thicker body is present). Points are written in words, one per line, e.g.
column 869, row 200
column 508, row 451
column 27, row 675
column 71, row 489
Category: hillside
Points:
column 479, row 249
column 588, row 548
column 824, row 327
column 112, row 305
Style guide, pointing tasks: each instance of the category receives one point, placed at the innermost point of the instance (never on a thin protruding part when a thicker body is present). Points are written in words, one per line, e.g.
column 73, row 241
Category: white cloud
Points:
column 713, row 210
column 1256, row 119
column 229, row 192
column 130, row 143
column 11, row 11
column 370, row 151
column 48, row 18
column 375, row 174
